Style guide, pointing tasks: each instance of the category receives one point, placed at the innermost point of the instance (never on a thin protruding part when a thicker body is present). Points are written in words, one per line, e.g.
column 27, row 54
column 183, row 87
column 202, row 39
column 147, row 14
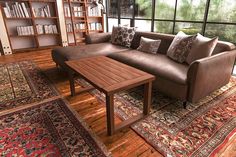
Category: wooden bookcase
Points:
column 16, row 23
column 78, row 20
column 30, row 39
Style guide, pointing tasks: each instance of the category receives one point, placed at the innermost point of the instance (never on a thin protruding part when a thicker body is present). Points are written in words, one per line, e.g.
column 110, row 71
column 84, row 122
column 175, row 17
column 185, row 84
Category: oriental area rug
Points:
column 35, row 121
column 23, row 83
column 47, row 129
column 200, row 130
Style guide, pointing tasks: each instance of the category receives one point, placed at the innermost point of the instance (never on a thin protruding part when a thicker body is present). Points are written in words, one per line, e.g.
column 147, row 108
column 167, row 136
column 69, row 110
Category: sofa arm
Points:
column 95, row 38
column 208, row 74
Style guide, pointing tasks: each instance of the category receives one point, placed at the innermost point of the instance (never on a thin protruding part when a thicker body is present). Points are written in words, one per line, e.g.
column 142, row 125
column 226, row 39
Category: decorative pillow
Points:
column 180, row 47
column 123, row 36
column 149, row 45
column 202, row 47
column 114, row 34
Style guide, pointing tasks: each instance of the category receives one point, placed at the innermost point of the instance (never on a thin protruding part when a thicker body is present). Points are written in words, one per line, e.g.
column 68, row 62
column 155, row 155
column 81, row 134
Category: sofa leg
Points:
column 185, row 104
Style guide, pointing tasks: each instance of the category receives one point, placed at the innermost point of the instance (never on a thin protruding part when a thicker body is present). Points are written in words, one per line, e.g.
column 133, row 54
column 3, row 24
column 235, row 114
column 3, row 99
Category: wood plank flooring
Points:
column 125, row 143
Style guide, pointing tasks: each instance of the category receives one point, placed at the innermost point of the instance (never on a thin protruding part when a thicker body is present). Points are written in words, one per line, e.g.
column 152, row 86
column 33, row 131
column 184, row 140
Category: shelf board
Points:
column 53, row 34
column 81, row 30
column 46, row 17
column 95, row 30
column 18, row 18
column 21, row 36
column 43, row 1
column 94, row 16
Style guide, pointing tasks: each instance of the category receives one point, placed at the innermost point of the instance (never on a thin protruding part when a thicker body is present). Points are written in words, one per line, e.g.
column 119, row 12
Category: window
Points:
column 191, row 10
column 143, row 9
column 126, row 8
column 165, row 9
column 188, row 27
column 163, row 27
column 222, row 11
column 143, row 25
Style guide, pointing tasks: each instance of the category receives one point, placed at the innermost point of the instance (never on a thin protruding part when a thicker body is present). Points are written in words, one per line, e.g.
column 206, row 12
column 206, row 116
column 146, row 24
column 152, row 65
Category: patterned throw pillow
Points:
column 149, row 45
column 180, row 47
column 123, row 35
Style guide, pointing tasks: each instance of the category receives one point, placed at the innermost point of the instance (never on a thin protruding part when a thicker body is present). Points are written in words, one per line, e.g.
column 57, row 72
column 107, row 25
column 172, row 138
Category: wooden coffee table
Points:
column 110, row 76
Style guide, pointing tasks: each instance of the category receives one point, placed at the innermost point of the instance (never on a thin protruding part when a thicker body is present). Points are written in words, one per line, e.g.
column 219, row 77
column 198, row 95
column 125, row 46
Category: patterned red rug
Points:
column 23, row 83
column 200, row 130
column 48, row 129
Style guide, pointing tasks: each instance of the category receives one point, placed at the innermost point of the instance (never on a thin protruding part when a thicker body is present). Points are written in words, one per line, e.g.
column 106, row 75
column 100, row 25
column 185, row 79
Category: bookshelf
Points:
column 39, row 24
column 31, row 24
column 81, row 20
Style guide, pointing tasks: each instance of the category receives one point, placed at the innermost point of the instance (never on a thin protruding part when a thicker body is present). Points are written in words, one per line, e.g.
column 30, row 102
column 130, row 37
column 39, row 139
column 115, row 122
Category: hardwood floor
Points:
column 125, row 143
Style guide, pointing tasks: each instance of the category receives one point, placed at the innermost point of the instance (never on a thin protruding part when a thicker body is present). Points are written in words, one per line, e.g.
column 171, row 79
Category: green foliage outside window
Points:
column 193, row 10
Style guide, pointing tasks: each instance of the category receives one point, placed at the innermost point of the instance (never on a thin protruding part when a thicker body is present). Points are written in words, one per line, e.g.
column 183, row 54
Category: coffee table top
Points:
column 108, row 75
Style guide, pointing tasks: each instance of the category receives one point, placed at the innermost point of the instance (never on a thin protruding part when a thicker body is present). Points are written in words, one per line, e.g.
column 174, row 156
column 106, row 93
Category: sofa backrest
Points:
column 166, row 40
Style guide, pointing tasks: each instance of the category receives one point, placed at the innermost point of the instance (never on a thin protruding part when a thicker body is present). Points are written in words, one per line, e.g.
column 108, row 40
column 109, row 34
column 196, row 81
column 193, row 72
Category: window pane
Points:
column 112, row 8
column 143, row 25
column 126, row 8
column 163, row 27
column 125, row 22
column 192, row 10
column 225, row 32
column 188, row 28
column 165, row 9
column 222, row 11
column 143, row 9
column 112, row 22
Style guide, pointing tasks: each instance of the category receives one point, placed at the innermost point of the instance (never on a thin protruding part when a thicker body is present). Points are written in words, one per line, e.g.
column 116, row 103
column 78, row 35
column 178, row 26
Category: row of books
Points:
column 95, row 26
column 67, row 11
column 96, row 11
column 78, row 11
column 77, row 26
column 25, row 30
column 46, row 29
column 42, row 12
column 16, row 9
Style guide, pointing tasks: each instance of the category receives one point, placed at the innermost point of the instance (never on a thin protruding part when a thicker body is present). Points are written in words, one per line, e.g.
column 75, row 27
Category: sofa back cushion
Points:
column 166, row 40
column 149, row 45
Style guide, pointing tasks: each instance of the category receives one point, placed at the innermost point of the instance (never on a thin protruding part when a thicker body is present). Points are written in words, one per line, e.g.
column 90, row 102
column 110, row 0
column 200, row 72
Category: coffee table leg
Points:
column 72, row 83
column 110, row 114
column 147, row 98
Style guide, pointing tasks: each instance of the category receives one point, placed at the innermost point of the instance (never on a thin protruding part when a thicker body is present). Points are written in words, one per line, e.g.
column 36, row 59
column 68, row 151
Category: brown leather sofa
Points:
column 182, row 81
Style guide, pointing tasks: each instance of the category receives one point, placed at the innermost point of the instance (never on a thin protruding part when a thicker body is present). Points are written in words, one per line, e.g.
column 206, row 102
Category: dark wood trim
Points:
column 205, row 17
column 175, row 12
column 153, row 14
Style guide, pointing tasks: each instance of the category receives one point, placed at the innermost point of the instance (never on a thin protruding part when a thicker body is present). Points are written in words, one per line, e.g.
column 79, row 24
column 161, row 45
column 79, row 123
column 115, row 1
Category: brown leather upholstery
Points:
column 166, row 40
column 95, row 38
column 181, row 81
column 208, row 74
column 159, row 65
column 60, row 55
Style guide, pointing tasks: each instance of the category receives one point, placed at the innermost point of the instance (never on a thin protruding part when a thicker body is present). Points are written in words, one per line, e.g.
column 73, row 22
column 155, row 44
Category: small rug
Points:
column 200, row 130
column 47, row 129
column 23, row 83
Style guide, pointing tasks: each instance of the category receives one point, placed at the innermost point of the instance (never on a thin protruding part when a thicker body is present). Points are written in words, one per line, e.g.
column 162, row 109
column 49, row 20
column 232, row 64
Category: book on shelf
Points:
column 78, row 11
column 77, row 27
column 67, row 11
column 96, row 11
column 16, row 10
column 25, row 30
column 95, row 26
column 42, row 12
column 46, row 29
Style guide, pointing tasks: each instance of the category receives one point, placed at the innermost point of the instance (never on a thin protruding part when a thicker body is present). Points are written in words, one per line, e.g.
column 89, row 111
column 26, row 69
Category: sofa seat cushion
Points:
column 63, row 54
column 157, row 64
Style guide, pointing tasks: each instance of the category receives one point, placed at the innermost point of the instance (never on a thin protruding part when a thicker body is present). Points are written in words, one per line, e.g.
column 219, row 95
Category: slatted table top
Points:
column 108, row 75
